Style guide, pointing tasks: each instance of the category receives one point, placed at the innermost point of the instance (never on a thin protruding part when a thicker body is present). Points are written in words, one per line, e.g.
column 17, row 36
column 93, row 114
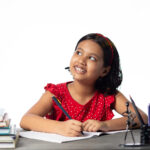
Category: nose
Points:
column 82, row 60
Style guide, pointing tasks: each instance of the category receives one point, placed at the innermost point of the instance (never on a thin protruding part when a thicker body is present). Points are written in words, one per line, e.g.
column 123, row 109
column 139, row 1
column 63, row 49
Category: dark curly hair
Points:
column 108, row 84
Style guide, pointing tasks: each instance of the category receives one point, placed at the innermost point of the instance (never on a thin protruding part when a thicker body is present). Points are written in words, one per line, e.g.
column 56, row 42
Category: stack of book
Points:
column 8, row 133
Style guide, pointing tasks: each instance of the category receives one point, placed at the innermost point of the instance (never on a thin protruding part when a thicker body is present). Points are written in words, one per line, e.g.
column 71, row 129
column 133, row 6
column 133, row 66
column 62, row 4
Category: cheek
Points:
column 94, row 67
column 97, row 69
column 72, row 61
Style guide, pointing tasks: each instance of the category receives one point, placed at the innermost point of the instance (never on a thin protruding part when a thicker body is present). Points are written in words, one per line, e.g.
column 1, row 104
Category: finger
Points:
column 86, row 128
column 75, row 133
column 76, row 122
column 85, row 123
column 91, row 128
column 95, row 129
column 76, row 128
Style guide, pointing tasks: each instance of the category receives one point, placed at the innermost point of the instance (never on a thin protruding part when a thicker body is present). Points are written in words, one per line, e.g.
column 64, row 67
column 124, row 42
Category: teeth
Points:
column 80, row 69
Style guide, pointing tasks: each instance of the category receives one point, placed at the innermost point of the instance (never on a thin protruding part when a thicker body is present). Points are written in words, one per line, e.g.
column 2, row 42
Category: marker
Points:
column 149, row 115
column 60, row 106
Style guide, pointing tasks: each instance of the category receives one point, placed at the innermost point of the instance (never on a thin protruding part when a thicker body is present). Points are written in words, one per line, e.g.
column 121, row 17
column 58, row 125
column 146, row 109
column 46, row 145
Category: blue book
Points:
column 4, row 131
column 8, row 127
column 11, row 130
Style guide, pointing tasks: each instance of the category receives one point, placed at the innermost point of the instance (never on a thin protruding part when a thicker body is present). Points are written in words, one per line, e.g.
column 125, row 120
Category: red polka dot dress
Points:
column 98, row 107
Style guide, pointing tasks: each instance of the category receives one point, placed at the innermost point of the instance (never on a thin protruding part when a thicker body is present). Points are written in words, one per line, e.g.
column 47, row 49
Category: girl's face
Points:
column 87, row 62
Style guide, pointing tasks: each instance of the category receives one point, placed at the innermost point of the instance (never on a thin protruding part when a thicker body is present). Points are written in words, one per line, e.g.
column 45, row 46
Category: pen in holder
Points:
column 145, row 135
column 145, row 128
column 149, row 115
column 145, row 131
column 129, row 123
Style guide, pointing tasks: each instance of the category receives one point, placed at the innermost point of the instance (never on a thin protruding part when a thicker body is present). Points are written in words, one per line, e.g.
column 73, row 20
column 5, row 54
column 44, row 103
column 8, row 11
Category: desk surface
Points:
column 96, row 143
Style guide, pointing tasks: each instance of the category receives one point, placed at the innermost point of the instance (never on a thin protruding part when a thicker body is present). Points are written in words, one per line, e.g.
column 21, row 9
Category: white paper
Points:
column 59, row 138
column 56, row 137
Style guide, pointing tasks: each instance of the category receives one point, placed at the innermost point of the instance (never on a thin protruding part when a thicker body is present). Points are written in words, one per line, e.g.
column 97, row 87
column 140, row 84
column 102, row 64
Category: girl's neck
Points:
column 81, row 91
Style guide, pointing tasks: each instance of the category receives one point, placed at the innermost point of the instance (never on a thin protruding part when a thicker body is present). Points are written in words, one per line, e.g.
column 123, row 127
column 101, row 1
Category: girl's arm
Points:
column 118, row 123
column 120, row 107
column 34, row 119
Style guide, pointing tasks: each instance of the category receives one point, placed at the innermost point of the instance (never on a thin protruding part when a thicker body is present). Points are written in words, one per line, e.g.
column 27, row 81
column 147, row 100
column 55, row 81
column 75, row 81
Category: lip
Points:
column 79, row 69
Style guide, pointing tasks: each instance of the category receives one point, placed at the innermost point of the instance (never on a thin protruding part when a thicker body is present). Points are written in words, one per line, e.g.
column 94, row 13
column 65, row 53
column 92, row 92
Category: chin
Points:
column 79, row 79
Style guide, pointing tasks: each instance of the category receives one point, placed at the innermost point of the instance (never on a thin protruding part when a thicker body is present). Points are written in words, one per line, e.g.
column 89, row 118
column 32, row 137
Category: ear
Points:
column 105, row 71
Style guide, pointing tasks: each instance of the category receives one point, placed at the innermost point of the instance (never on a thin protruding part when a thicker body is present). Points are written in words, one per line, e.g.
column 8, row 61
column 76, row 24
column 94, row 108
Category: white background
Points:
column 38, row 37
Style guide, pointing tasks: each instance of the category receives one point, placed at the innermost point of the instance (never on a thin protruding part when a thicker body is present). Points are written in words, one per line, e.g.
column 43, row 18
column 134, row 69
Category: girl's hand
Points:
column 94, row 125
column 70, row 128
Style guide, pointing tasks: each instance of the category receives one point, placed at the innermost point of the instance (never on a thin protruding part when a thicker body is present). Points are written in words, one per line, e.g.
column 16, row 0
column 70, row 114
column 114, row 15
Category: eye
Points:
column 92, row 58
column 78, row 53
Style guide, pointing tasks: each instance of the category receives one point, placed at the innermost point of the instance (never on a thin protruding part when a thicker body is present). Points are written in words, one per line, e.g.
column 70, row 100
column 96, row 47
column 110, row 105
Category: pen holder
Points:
column 145, row 135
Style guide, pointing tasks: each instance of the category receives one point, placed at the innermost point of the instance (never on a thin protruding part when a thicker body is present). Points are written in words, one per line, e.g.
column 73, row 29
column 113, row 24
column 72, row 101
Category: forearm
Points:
column 120, row 123
column 38, row 123
column 115, row 124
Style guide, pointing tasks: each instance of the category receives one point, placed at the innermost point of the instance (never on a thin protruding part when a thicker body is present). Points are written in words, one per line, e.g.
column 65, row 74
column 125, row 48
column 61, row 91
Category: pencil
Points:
column 60, row 106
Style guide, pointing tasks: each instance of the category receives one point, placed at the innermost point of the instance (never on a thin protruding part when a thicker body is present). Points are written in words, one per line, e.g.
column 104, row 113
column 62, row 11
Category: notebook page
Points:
column 56, row 137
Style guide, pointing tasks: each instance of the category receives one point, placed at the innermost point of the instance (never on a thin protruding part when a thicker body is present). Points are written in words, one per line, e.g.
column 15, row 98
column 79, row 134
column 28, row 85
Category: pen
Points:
column 137, row 112
column 60, row 106
column 149, row 115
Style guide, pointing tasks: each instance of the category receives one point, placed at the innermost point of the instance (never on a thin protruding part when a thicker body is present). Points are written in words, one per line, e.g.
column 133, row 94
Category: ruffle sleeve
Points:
column 56, row 112
column 52, row 88
column 109, row 102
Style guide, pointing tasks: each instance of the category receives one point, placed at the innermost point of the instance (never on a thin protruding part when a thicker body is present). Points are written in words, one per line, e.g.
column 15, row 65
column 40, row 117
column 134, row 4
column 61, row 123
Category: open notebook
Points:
column 59, row 138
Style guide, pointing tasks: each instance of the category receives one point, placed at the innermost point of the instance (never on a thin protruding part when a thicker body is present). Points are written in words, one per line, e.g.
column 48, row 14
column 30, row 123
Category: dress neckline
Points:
column 73, row 100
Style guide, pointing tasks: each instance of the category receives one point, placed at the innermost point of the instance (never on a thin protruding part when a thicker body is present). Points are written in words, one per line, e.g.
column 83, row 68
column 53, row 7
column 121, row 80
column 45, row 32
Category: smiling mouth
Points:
column 79, row 69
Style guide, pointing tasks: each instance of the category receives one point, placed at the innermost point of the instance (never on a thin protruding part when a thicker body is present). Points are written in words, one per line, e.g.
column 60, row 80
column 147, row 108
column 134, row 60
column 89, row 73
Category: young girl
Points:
column 89, row 99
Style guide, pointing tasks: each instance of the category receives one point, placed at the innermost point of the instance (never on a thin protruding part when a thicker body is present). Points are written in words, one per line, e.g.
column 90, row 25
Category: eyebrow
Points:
column 79, row 48
column 90, row 53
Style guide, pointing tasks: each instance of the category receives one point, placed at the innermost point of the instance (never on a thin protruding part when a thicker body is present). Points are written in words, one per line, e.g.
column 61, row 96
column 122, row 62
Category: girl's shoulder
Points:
column 56, row 89
column 106, row 96
column 108, row 99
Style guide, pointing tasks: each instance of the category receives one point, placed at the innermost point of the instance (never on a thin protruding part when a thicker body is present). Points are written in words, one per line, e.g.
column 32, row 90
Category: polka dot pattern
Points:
column 97, row 108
